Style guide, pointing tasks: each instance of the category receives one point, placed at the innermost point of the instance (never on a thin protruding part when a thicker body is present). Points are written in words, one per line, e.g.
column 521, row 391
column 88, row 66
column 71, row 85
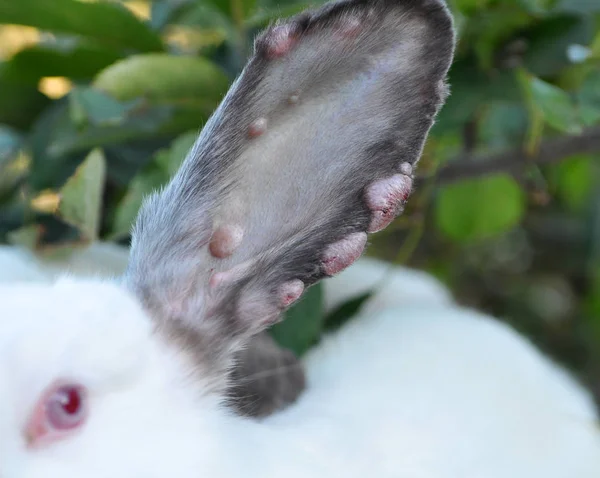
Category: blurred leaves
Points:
column 574, row 179
column 552, row 104
column 106, row 22
column 80, row 203
column 72, row 58
column 89, row 106
column 303, row 323
column 20, row 102
column 479, row 209
column 164, row 78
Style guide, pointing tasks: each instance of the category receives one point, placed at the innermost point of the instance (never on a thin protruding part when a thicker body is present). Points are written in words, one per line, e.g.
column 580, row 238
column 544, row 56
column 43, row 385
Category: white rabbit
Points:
column 313, row 147
column 413, row 391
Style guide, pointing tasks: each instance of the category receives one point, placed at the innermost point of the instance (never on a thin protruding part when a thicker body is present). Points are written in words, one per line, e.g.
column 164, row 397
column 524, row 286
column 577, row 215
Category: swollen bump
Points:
column 257, row 127
column 386, row 198
column 280, row 40
column 225, row 240
column 341, row 254
column 406, row 169
column 290, row 292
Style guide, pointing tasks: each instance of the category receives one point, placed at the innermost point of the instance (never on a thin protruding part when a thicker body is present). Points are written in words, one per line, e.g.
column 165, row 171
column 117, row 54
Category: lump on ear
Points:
column 313, row 147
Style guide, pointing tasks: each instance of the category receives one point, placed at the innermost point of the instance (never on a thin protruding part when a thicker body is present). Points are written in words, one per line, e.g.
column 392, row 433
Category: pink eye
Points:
column 65, row 408
column 62, row 409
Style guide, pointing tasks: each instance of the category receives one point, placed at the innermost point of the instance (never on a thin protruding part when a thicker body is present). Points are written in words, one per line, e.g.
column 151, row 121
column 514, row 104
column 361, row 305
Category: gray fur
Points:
column 265, row 378
column 364, row 106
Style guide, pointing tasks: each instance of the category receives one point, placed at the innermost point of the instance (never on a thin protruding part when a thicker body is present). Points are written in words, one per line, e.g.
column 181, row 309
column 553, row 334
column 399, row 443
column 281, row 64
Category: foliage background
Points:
column 100, row 101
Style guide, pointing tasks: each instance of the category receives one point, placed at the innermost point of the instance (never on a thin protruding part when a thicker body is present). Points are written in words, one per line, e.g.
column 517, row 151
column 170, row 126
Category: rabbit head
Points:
column 88, row 389
column 313, row 147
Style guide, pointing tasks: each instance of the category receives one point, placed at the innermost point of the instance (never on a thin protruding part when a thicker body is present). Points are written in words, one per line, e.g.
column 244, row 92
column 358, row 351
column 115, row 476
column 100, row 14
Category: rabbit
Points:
column 450, row 393
column 314, row 147
column 265, row 377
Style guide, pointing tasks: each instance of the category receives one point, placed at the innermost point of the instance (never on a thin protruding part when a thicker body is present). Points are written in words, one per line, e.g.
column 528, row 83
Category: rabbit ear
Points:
column 313, row 147
column 266, row 378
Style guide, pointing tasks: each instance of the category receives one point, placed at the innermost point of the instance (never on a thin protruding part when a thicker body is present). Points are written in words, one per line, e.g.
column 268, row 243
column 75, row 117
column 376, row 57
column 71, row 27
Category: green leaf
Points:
column 27, row 236
column 264, row 15
column 303, row 322
column 163, row 12
column 237, row 10
column 11, row 171
column 141, row 123
column 582, row 7
column 575, row 179
column 595, row 47
column 537, row 7
column 204, row 16
column 81, row 196
column 20, row 102
column 345, row 312
column 503, row 125
column 473, row 89
column 470, row 6
column 89, row 105
column 491, row 28
column 548, row 43
column 107, row 22
column 480, row 208
column 74, row 59
column 164, row 78
column 10, row 141
column 552, row 103
column 588, row 99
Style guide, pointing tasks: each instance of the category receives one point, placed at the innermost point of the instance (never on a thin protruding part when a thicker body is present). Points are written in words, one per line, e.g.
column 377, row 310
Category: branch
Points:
column 550, row 151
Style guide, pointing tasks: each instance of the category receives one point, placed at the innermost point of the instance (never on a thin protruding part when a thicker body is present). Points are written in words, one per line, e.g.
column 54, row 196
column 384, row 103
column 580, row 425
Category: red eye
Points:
column 61, row 410
column 65, row 408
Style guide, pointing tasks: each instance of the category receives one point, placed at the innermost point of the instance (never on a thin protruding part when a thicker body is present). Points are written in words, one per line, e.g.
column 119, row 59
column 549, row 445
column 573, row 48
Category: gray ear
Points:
column 313, row 147
column 265, row 378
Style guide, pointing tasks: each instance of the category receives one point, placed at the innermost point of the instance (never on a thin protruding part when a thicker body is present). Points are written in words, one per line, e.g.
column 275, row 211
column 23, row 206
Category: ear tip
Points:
column 276, row 40
column 436, row 11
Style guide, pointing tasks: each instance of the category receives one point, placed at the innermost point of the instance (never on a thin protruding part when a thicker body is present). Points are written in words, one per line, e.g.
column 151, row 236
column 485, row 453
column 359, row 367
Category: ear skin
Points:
column 313, row 147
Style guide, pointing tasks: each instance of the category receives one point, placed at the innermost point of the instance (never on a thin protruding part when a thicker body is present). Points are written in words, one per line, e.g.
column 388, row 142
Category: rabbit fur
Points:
column 416, row 386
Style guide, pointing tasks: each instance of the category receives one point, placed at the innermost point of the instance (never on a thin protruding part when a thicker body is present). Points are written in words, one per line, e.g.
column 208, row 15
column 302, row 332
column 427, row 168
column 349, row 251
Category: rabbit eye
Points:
column 61, row 410
column 65, row 407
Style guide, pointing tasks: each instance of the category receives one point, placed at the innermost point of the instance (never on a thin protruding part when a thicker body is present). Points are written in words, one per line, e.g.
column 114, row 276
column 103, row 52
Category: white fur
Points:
column 416, row 387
